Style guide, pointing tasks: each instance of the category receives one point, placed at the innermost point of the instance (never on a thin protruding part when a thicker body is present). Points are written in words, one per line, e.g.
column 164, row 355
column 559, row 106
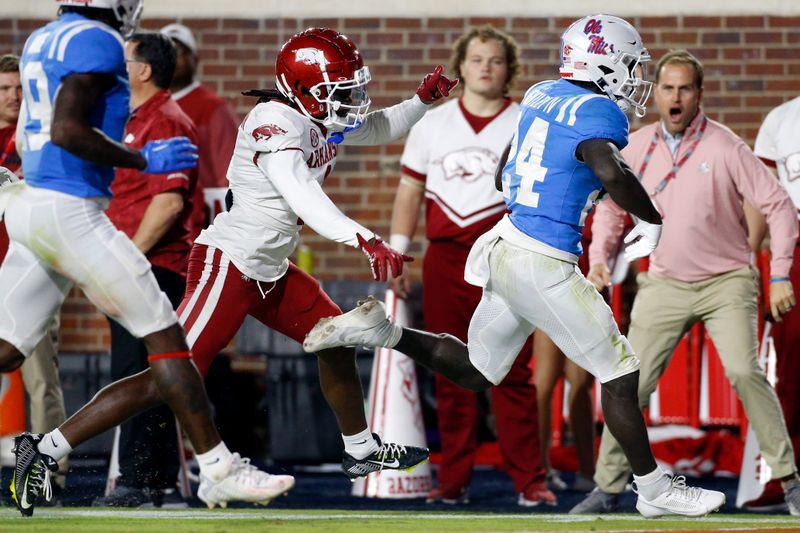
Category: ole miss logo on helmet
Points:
column 265, row 132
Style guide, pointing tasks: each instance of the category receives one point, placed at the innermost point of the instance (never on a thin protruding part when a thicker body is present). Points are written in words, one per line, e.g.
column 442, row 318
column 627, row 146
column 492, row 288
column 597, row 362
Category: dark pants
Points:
column 148, row 444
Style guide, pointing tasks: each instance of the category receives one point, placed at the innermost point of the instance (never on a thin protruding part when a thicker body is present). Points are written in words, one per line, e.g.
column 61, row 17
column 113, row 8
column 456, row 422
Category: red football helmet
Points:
column 322, row 72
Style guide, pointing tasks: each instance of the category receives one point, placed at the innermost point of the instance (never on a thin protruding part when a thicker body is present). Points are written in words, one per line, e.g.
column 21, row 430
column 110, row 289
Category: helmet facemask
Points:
column 634, row 89
column 128, row 12
column 346, row 102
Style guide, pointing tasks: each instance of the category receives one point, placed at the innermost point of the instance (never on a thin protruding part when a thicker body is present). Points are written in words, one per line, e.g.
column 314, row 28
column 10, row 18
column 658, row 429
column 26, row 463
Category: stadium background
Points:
column 751, row 52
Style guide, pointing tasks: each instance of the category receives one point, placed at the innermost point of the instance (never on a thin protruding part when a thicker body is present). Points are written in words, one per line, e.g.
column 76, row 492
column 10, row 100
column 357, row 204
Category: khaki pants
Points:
column 664, row 309
column 43, row 386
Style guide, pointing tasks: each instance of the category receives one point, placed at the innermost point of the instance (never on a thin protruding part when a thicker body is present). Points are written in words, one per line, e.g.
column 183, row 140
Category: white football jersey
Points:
column 779, row 140
column 261, row 230
column 458, row 167
column 279, row 162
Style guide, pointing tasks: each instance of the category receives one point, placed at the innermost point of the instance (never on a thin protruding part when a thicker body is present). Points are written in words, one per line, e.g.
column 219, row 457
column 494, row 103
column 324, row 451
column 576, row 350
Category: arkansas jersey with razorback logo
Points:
column 458, row 170
column 261, row 230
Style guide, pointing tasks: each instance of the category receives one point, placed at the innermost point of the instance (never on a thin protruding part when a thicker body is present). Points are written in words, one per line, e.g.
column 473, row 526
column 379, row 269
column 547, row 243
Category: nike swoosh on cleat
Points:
column 384, row 464
column 54, row 442
column 23, row 502
column 362, row 442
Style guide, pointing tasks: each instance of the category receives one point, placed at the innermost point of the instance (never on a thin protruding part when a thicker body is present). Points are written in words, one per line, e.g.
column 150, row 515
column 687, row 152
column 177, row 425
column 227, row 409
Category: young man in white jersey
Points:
column 564, row 153
column 449, row 159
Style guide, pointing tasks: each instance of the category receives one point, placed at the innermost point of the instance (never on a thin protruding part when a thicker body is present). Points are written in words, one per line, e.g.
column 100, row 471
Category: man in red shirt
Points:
column 153, row 210
column 10, row 101
column 216, row 125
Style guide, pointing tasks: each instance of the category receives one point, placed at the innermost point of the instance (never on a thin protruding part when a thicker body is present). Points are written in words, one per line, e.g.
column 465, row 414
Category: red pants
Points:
column 218, row 297
column 449, row 302
column 787, row 346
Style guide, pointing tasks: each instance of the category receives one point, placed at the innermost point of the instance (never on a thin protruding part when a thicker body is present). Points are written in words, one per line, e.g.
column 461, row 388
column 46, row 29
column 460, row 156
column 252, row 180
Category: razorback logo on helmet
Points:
column 265, row 132
column 310, row 56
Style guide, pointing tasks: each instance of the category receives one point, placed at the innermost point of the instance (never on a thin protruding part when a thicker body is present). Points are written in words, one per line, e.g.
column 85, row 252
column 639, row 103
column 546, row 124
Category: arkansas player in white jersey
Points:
column 285, row 148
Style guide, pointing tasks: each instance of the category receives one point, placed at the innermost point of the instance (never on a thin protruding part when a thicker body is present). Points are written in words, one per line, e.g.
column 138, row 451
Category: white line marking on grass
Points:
column 287, row 515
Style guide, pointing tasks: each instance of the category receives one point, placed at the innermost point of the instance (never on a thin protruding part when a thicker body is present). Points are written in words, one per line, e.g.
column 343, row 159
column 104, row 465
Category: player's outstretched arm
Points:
column 72, row 130
column 385, row 125
column 607, row 163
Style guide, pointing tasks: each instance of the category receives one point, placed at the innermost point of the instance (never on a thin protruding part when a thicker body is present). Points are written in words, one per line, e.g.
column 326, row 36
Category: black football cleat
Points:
column 389, row 456
column 31, row 477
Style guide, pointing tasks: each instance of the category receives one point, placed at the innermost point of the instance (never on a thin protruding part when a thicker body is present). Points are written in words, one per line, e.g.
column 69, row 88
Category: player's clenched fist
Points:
column 382, row 257
column 435, row 86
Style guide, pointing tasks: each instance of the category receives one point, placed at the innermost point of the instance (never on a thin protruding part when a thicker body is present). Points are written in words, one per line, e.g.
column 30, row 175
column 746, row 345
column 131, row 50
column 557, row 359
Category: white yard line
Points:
column 246, row 514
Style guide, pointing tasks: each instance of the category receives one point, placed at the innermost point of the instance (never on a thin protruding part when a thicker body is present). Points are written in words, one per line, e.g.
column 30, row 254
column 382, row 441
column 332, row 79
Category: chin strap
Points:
column 338, row 136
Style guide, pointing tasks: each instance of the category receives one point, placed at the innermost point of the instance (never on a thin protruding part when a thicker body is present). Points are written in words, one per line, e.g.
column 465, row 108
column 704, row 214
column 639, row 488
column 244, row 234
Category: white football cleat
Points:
column 681, row 499
column 366, row 325
column 244, row 483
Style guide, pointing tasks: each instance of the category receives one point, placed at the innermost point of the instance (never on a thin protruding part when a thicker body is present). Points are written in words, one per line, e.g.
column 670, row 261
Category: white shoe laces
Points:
column 40, row 482
column 684, row 491
column 390, row 450
column 246, row 473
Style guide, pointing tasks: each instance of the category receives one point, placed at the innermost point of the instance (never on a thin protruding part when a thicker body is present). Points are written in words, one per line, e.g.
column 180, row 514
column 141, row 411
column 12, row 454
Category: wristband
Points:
column 773, row 280
column 399, row 242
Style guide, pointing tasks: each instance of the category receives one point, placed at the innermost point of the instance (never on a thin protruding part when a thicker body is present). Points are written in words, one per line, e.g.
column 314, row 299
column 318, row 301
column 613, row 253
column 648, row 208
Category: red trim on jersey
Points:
column 170, row 355
column 439, row 199
column 413, row 173
column 769, row 162
column 478, row 123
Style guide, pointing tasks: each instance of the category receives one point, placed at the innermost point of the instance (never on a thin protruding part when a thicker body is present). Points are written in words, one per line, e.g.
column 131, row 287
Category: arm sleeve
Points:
column 388, row 124
column 607, row 226
column 600, row 118
column 92, row 50
column 306, row 198
column 765, row 146
column 759, row 187
column 269, row 132
column 416, row 154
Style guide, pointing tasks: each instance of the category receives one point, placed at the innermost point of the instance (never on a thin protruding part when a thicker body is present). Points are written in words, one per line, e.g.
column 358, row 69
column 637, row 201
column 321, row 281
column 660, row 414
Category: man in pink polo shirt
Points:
column 698, row 174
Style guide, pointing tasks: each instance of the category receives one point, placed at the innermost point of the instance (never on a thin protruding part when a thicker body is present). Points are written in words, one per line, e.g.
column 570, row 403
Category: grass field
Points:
column 217, row 521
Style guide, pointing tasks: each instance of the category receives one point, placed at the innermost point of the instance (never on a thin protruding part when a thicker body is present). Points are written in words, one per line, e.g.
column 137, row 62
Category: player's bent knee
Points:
column 623, row 387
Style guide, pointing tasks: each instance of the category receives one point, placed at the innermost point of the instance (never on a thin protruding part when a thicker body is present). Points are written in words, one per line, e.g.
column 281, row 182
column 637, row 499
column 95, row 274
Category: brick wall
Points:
column 752, row 64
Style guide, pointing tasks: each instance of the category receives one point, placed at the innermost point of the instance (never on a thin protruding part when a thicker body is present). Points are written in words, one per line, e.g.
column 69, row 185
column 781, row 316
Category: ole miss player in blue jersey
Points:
column 564, row 153
column 75, row 107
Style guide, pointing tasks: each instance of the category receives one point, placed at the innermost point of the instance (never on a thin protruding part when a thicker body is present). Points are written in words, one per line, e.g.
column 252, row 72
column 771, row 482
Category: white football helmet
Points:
column 128, row 12
column 608, row 52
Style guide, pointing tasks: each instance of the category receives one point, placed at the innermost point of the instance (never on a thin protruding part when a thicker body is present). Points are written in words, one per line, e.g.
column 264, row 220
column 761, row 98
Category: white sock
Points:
column 216, row 462
column 393, row 334
column 361, row 444
column 55, row 445
column 653, row 484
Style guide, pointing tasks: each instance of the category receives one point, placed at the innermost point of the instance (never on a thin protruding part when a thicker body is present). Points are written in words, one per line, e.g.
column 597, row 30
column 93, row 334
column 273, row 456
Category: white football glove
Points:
column 648, row 235
column 7, row 177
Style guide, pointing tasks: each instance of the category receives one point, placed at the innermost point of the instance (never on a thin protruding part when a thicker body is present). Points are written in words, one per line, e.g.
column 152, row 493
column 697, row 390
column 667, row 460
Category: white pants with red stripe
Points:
column 218, row 297
column 59, row 240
